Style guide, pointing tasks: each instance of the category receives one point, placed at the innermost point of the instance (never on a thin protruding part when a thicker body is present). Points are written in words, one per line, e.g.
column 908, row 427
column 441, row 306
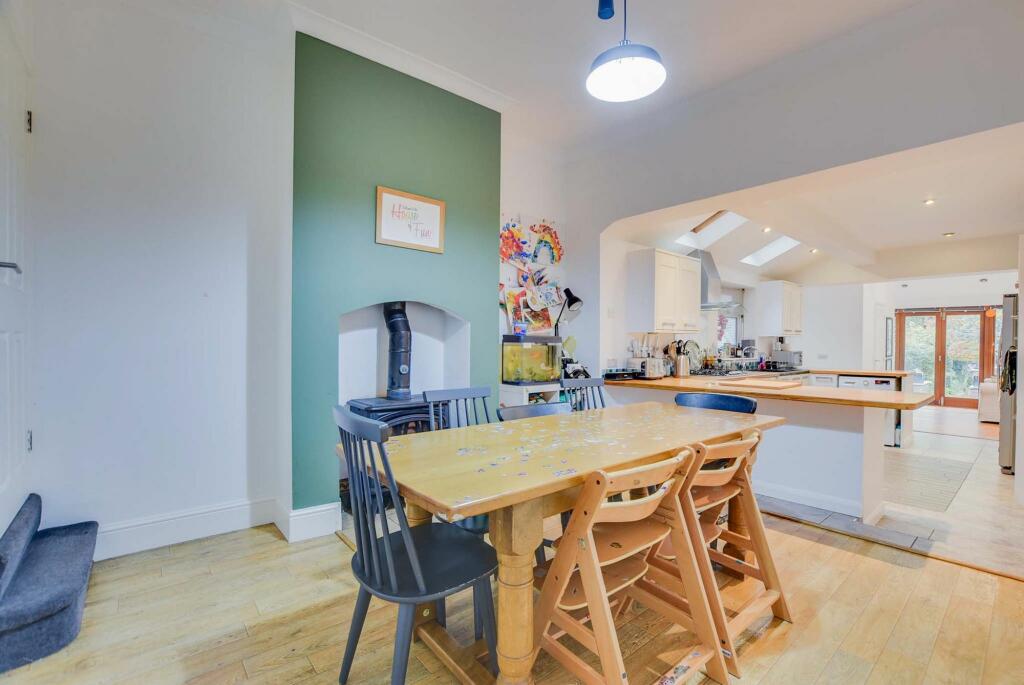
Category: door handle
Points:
column 11, row 265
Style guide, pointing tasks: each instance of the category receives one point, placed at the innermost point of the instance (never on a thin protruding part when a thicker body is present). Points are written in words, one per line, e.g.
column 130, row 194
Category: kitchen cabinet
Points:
column 664, row 293
column 780, row 309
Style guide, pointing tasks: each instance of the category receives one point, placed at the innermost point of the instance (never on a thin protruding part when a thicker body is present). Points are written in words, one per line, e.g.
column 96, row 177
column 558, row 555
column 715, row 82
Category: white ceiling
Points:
column 537, row 52
column 854, row 211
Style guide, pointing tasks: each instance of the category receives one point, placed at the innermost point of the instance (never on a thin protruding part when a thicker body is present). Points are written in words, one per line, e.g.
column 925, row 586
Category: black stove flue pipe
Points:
column 399, row 350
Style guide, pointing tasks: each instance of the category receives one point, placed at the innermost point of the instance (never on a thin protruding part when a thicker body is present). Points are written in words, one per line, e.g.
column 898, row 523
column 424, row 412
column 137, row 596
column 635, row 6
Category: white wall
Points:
column 840, row 102
column 833, row 335
column 951, row 291
column 162, row 201
column 161, row 176
column 16, row 245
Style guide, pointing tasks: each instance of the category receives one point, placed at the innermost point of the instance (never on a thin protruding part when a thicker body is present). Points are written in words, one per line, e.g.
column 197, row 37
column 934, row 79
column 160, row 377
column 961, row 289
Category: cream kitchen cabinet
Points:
column 780, row 309
column 664, row 293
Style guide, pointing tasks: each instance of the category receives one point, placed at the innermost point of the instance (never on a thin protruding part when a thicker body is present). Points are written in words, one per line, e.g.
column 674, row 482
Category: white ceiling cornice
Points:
column 348, row 38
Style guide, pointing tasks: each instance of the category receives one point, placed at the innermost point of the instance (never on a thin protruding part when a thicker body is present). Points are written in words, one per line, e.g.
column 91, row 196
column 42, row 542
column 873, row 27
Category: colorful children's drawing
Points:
column 530, row 253
column 546, row 242
column 519, row 310
column 514, row 245
column 549, row 295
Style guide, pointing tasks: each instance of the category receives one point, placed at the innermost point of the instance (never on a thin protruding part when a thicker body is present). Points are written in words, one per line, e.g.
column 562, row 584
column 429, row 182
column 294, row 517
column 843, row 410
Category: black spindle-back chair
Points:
column 458, row 407
column 528, row 411
column 584, row 393
column 411, row 565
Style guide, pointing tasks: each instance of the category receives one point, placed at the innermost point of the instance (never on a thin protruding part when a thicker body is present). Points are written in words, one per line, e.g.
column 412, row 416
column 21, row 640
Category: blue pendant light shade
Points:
column 605, row 9
column 628, row 71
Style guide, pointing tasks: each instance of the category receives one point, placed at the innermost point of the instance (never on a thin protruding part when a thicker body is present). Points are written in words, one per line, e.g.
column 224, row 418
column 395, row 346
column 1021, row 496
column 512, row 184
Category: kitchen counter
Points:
column 874, row 373
column 830, row 452
column 855, row 397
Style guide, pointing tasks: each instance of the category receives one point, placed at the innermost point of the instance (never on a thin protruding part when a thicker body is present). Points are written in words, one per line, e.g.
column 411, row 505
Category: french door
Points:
column 948, row 351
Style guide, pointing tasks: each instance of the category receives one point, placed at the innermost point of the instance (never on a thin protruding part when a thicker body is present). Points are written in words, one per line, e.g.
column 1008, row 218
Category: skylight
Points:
column 725, row 224
column 777, row 247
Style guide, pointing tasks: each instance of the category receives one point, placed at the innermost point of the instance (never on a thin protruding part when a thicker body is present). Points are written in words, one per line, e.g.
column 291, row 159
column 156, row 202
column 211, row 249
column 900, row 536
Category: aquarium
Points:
column 530, row 359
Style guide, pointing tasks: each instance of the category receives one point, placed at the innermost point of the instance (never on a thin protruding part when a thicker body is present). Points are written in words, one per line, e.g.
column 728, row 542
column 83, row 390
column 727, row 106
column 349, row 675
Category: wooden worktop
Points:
column 855, row 397
column 467, row 471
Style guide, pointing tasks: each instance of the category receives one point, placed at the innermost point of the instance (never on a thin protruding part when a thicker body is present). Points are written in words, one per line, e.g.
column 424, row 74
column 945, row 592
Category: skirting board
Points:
column 127, row 537
column 312, row 522
column 811, row 499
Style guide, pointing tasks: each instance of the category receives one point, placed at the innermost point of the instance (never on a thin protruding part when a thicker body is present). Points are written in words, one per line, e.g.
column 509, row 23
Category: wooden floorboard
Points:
column 980, row 524
column 249, row 608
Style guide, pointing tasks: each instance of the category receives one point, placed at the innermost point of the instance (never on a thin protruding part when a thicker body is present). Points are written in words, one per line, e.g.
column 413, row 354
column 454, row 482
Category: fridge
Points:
column 1008, row 385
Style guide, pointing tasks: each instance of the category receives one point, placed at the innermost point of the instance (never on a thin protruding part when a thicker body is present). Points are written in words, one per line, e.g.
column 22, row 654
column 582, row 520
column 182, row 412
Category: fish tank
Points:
column 531, row 359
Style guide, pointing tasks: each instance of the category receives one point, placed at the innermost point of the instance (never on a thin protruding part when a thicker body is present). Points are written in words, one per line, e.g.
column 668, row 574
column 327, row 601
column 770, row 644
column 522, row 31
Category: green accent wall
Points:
column 358, row 125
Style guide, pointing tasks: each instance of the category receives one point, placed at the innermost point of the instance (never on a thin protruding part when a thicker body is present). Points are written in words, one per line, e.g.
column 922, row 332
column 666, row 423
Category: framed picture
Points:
column 408, row 220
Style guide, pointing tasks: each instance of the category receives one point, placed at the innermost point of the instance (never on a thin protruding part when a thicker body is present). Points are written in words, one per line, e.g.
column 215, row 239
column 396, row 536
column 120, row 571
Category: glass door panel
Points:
column 962, row 358
column 919, row 350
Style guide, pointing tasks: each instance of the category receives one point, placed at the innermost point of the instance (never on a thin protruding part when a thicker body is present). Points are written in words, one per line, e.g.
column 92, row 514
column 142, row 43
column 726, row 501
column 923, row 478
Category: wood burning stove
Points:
column 400, row 409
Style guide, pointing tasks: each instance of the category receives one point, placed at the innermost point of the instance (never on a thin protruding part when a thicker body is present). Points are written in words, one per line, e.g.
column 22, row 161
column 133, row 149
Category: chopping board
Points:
column 762, row 384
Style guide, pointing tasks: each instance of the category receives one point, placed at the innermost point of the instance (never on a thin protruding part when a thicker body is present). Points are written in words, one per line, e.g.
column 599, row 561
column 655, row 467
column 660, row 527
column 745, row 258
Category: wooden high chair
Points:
column 602, row 553
column 704, row 494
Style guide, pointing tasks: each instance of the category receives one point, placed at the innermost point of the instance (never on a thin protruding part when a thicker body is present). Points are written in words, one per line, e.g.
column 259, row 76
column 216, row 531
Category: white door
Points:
column 14, row 299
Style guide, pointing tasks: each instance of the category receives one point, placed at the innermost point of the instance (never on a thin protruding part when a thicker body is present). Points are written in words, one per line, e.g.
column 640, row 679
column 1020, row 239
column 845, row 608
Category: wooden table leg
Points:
column 738, row 525
column 516, row 531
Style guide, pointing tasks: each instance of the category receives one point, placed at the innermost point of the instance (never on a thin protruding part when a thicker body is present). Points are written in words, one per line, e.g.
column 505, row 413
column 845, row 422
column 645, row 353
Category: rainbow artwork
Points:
column 546, row 242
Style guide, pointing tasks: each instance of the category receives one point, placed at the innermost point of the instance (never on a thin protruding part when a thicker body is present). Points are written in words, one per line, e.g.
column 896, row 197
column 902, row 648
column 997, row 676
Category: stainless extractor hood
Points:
column 711, row 299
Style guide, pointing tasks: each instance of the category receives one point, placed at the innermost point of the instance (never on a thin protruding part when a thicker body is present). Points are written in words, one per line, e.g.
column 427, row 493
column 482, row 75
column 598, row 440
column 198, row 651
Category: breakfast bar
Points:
column 829, row 454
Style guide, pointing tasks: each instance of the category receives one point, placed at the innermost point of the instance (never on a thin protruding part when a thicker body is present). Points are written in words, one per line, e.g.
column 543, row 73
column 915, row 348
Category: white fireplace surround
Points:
column 440, row 351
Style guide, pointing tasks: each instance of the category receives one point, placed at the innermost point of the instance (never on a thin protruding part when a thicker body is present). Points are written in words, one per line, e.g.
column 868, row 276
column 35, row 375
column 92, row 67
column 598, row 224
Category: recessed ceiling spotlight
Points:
column 814, row 250
column 766, row 229
column 948, row 234
column 929, row 202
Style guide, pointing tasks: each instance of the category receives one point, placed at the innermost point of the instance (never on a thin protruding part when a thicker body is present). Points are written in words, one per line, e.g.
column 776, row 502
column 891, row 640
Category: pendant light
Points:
column 628, row 71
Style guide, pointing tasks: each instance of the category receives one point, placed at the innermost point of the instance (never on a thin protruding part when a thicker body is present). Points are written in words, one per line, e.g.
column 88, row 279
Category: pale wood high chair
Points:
column 602, row 553
column 704, row 494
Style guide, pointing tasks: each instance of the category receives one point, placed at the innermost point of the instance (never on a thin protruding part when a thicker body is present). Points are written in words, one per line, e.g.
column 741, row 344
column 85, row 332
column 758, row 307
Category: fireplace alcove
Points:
column 440, row 351
column 439, row 359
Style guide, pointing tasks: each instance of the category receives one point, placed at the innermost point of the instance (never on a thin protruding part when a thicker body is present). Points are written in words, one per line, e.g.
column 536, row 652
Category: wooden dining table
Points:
column 520, row 472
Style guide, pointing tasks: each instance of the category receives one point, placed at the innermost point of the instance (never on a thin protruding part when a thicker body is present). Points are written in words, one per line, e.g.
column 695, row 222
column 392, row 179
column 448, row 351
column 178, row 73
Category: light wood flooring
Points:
column 247, row 607
column 983, row 523
column 954, row 421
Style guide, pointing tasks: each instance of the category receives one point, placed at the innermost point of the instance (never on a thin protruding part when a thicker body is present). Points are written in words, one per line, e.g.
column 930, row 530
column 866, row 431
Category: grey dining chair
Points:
column 529, row 411
column 526, row 411
column 584, row 393
column 459, row 408
column 412, row 565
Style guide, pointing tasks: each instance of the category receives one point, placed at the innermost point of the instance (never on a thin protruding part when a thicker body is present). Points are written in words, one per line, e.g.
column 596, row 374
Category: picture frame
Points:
column 415, row 222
